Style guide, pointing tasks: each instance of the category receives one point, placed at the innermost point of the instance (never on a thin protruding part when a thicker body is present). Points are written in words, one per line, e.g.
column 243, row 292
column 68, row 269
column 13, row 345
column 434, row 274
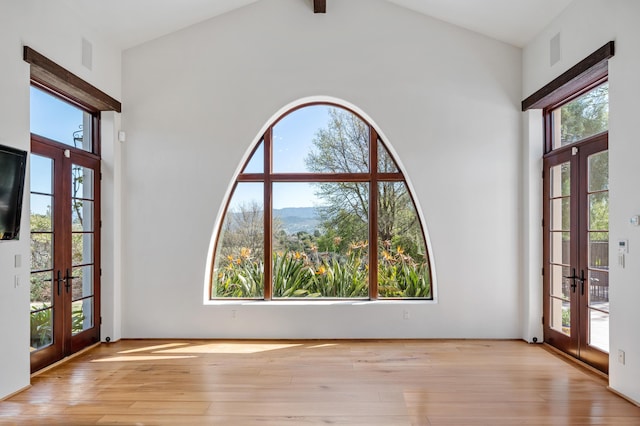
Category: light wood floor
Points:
column 204, row 382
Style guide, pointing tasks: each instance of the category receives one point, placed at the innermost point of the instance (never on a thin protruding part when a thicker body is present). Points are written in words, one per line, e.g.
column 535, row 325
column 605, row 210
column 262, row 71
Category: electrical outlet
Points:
column 405, row 314
column 234, row 315
column 621, row 356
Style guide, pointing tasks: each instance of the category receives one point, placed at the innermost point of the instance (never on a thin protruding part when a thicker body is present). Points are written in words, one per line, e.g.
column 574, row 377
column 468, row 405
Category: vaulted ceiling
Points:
column 131, row 22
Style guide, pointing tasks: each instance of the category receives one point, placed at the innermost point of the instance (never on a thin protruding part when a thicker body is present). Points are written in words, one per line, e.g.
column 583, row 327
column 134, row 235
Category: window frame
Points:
column 373, row 177
column 548, row 121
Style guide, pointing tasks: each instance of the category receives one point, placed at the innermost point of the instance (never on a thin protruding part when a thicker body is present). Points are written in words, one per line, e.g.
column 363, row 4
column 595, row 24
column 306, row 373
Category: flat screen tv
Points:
column 13, row 165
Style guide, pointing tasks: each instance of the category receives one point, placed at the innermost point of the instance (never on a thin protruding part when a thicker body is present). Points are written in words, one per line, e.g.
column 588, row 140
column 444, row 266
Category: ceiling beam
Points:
column 319, row 6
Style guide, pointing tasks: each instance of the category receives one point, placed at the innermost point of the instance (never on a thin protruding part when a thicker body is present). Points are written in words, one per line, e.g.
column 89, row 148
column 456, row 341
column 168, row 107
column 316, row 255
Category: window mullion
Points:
column 373, row 214
column 267, row 213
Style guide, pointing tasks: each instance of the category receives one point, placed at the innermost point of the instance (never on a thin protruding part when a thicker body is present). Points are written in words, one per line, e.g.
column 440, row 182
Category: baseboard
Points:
column 11, row 395
column 623, row 396
column 66, row 359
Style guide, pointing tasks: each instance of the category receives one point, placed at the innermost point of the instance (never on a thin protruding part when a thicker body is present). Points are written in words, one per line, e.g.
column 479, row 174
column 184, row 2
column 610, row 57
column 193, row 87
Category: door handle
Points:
column 582, row 280
column 59, row 280
column 573, row 277
column 68, row 281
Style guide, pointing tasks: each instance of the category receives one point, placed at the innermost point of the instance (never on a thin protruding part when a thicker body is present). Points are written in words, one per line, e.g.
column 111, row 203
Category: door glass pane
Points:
column 599, row 171
column 41, row 174
column 560, row 180
column 81, row 248
column 560, row 247
column 560, row 214
column 599, row 330
column 41, row 251
column 81, row 215
column 599, row 250
column 41, row 328
column 310, row 139
column 561, row 286
column 320, row 248
column 42, row 287
column 581, row 118
column 599, row 211
column 81, row 182
column 561, row 316
column 82, row 284
column 599, row 309
column 239, row 262
column 61, row 121
column 41, row 213
column 81, row 315
column 403, row 266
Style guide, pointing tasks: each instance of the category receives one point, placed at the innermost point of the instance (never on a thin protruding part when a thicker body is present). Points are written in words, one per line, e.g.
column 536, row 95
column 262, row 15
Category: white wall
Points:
column 585, row 26
column 446, row 99
column 56, row 33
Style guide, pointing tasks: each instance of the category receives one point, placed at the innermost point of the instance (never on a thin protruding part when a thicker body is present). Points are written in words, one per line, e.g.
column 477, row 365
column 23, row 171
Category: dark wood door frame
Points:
column 64, row 342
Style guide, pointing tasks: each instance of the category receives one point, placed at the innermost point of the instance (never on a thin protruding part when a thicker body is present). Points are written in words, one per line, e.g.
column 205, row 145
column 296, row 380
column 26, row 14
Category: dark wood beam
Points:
column 46, row 72
column 591, row 69
column 319, row 6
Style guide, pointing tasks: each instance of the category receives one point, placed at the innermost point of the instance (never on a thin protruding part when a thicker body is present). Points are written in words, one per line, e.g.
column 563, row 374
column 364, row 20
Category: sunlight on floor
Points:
column 153, row 348
column 229, row 348
column 139, row 358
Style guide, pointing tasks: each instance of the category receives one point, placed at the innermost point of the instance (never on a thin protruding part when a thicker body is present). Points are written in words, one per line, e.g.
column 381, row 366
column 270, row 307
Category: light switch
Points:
column 18, row 261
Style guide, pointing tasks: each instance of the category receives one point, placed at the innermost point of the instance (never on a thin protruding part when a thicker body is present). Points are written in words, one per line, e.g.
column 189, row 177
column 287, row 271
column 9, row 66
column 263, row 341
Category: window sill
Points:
column 317, row 302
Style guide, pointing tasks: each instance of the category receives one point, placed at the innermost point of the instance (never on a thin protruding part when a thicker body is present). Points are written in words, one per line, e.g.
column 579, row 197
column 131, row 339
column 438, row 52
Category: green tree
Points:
column 343, row 147
column 585, row 116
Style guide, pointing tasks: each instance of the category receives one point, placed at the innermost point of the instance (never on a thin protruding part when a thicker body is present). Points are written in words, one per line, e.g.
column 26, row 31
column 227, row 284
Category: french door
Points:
column 65, row 241
column 576, row 247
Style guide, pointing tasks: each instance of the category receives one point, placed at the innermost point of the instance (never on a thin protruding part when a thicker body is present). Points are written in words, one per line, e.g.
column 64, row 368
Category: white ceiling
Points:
column 131, row 22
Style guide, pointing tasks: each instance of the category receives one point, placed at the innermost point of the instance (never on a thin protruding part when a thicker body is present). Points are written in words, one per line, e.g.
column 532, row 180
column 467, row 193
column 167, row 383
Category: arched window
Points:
column 320, row 210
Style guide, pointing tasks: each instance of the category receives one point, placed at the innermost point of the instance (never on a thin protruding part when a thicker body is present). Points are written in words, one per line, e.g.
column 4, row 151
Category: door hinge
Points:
column 100, row 271
column 100, row 320
column 542, row 271
column 543, row 174
column 542, row 320
column 542, row 222
column 100, row 175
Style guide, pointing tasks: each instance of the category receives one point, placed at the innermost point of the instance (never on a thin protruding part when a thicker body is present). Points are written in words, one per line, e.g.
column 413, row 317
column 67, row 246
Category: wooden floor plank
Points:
column 415, row 382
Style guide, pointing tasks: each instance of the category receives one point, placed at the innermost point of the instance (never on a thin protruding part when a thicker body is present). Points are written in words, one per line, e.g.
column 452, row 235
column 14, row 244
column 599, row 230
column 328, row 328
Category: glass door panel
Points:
column 598, row 290
column 82, row 244
column 560, row 247
column 576, row 218
column 64, row 252
column 42, row 300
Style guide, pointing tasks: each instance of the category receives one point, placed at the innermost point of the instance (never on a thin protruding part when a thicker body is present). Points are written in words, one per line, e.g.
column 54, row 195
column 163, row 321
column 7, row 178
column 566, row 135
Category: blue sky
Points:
column 292, row 141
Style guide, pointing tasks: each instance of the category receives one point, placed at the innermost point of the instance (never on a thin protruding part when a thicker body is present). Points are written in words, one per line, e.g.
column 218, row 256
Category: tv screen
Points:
column 12, row 170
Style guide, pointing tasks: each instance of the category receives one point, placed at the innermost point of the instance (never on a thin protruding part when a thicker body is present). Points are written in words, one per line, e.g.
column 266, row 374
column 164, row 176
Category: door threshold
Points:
column 65, row 359
column 577, row 362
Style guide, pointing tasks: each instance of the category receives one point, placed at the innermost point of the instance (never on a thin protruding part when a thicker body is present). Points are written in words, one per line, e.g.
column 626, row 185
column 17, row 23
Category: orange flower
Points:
column 245, row 252
column 321, row 270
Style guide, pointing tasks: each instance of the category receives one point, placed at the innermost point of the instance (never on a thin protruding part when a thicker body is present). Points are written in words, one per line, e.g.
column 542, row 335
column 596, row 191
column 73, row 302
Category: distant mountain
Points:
column 296, row 219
